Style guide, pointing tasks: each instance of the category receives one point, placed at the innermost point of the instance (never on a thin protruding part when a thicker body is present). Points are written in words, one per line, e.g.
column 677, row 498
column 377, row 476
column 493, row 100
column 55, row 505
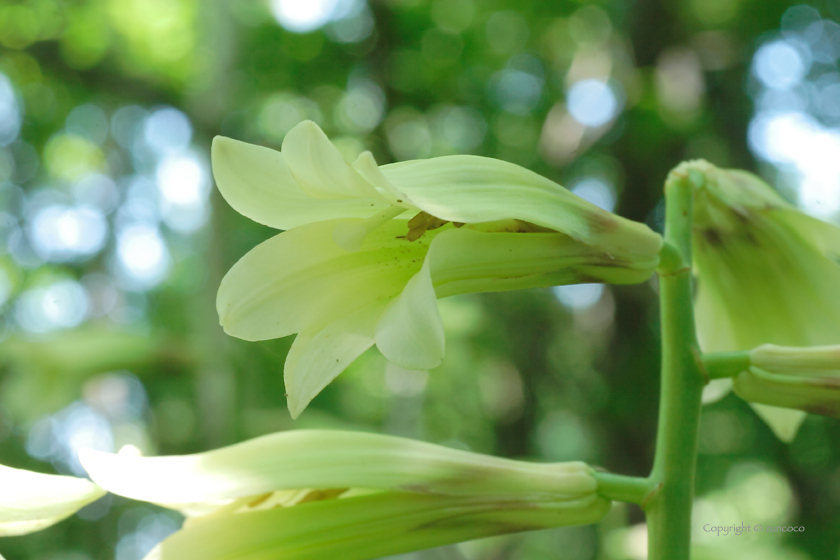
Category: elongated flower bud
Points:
column 807, row 379
column 301, row 459
column 318, row 494
column 368, row 526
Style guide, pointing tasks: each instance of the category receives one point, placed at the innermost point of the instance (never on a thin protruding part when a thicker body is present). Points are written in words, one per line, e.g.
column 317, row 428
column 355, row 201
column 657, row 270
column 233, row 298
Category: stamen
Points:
column 349, row 236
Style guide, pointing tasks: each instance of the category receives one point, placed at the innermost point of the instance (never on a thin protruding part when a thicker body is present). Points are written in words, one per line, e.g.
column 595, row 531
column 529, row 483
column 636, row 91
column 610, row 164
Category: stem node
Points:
column 650, row 496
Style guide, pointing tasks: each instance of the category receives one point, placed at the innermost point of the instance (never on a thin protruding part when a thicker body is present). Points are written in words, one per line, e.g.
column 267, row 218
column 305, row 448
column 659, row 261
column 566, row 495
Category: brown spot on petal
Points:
column 511, row 226
column 712, row 237
column 601, row 222
column 458, row 477
column 259, row 499
column 528, row 227
column 830, row 408
column 492, row 527
column 320, row 495
column 421, row 223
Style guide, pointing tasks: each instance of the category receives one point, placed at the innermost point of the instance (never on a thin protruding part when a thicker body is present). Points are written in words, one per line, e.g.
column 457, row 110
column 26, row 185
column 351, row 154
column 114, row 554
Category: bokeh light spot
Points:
column 70, row 157
column 143, row 256
column 780, row 65
column 579, row 296
column 88, row 122
column 61, row 233
column 167, row 129
column 592, row 102
column 517, row 91
column 9, row 112
column 181, row 179
column 463, row 128
column 597, row 191
column 361, row 109
column 62, row 304
column 305, row 16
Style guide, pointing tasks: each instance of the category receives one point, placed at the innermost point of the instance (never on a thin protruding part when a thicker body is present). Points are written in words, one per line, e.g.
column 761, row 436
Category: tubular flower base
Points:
column 325, row 494
column 365, row 526
column 767, row 273
column 807, row 379
column 369, row 249
column 31, row 501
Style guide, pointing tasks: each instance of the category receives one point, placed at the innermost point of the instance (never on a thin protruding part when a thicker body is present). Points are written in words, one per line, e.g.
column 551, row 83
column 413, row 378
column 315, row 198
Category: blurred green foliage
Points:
column 113, row 243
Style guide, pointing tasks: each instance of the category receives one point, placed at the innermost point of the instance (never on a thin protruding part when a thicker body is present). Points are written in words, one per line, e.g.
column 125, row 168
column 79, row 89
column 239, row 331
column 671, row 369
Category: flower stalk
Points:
column 722, row 365
column 671, row 481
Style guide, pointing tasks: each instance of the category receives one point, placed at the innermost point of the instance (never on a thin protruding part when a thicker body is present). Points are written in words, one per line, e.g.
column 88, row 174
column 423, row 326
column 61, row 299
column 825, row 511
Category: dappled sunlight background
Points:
column 113, row 240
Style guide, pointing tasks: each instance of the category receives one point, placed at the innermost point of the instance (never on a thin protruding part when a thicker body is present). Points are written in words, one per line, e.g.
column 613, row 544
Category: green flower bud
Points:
column 325, row 494
column 807, row 379
column 766, row 272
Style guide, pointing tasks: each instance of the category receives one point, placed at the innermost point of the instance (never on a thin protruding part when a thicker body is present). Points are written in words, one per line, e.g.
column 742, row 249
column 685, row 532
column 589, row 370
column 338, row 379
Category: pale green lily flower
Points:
column 369, row 249
column 767, row 273
column 807, row 379
column 325, row 494
column 31, row 501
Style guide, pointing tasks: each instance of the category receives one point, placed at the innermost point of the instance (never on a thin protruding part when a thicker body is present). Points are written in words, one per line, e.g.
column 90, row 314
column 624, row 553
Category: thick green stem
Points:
column 668, row 508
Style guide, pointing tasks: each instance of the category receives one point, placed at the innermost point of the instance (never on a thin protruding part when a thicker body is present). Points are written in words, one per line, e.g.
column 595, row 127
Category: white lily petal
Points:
column 319, row 167
column 714, row 327
column 350, row 235
column 257, row 183
column 475, row 189
column 303, row 278
column 31, row 501
column 317, row 356
column 766, row 272
column 784, row 422
column 823, row 235
column 366, row 166
column 715, row 390
column 410, row 331
column 764, row 284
